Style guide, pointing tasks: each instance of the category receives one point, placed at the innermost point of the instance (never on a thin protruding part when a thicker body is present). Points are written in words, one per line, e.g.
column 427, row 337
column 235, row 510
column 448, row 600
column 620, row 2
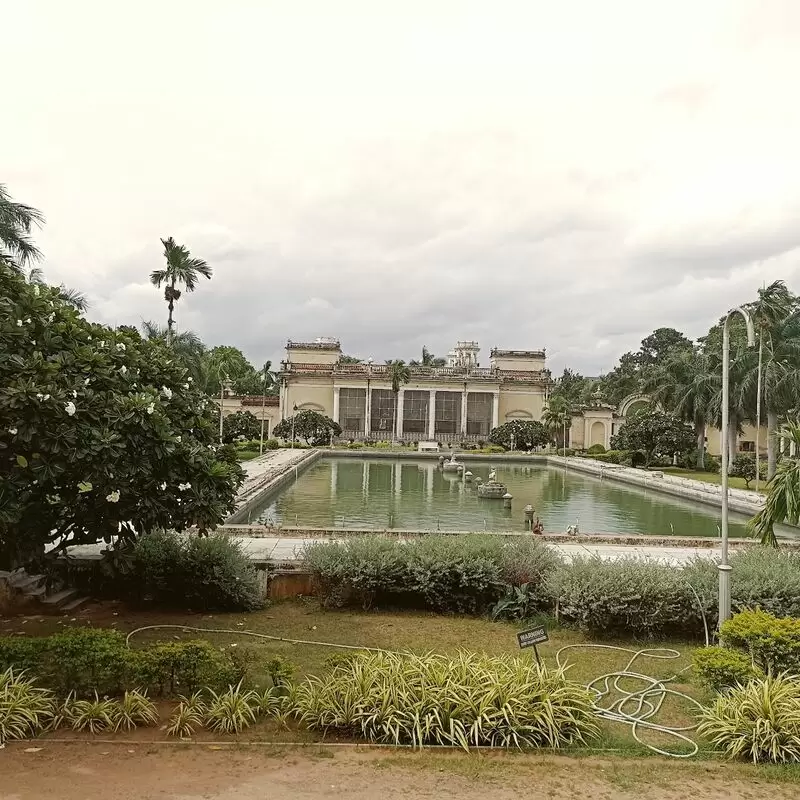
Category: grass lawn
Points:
column 707, row 477
column 246, row 455
column 395, row 630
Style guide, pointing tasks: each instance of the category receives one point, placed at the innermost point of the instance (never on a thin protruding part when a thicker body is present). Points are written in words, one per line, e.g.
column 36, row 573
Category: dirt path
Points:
column 119, row 772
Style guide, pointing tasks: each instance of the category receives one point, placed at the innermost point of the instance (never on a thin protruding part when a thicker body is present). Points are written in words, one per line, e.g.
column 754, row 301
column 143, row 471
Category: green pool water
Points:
column 415, row 494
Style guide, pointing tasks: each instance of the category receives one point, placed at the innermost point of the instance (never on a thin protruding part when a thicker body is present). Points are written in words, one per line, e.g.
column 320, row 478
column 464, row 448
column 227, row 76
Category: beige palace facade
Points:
column 459, row 402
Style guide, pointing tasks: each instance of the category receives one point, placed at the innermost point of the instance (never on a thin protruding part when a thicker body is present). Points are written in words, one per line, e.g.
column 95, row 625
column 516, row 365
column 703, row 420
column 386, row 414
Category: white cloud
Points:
column 569, row 175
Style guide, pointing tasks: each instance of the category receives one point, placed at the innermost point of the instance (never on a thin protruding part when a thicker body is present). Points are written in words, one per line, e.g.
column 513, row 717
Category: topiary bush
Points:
column 467, row 700
column 719, row 668
column 596, row 449
column 772, row 642
column 759, row 721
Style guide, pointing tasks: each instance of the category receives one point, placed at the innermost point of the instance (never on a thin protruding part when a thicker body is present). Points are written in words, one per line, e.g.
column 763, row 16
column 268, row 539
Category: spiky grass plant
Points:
column 188, row 716
column 25, row 709
column 135, row 709
column 759, row 721
column 464, row 700
column 233, row 710
column 94, row 716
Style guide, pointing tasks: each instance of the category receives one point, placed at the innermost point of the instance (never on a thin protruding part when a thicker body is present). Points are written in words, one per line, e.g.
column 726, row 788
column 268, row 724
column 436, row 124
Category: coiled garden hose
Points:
column 635, row 708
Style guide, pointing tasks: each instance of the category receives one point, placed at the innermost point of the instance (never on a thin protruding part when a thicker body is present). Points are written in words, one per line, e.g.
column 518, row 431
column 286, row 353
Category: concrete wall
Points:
column 312, row 355
column 521, row 403
column 530, row 364
column 309, row 392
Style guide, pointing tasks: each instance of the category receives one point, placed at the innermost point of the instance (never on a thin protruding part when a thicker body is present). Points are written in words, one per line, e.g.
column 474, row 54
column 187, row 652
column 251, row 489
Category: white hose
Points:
column 638, row 708
column 634, row 708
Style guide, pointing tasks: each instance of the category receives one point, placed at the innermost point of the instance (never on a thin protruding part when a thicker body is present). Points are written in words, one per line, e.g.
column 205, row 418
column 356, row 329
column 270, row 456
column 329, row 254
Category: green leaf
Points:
column 85, row 486
column 22, row 461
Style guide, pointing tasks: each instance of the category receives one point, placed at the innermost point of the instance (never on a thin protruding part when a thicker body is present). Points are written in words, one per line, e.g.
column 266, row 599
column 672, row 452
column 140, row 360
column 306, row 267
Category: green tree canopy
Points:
column 654, row 433
column 240, row 425
column 16, row 223
column 312, row 426
column 527, row 434
column 101, row 432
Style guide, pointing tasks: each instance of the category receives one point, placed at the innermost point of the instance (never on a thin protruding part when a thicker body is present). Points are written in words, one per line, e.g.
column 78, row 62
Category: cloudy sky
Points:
column 567, row 175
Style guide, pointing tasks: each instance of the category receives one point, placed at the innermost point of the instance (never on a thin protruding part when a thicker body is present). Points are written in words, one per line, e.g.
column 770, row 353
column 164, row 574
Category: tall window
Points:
column 415, row 411
column 479, row 413
column 352, row 409
column 382, row 418
column 448, row 412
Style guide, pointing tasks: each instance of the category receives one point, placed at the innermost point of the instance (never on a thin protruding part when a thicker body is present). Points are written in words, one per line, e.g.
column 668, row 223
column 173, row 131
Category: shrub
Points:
column 189, row 715
column 272, row 444
column 134, row 709
column 355, row 446
column 628, row 596
column 766, row 578
column 93, row 716
column 773, row 643
column 531, row 562
column 231, row 711
column 720, row 668
column 25, row 709
column 209, row 573
column 83, row 661
column 465, row 700
column 612, row 456
column 759, row 721
column 520, row 434
column 596, row 449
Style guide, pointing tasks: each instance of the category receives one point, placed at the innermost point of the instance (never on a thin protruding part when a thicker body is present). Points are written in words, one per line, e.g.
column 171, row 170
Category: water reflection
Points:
column 408, row 494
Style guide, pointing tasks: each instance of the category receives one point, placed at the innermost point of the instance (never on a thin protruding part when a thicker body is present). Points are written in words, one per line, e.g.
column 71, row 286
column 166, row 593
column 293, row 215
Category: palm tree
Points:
column 775, row 378
column 399, row 374
column 783, row 494
column 429, row 359
column 181, row 269
column 685, row 386
column 16, row 222
column 71, row 296
column 186, row 345
column 557, row 417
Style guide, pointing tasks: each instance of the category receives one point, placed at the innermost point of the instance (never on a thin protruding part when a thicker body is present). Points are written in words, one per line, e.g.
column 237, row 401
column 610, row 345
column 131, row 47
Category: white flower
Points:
column 184, row 486
column 39, row 396
column 163, row 486
column 185, row 385
column 113, row 497
column 51, row 317
column 53, row 499
column 151, row 408
column 19, row 323
column 123, row 369
column 28, row 320
column 121, row 347
column 70, row 408
column 90, row 338
column 189, row 379
column 86, row 382
column 35, row 290
column 12, row 431
column 167, row 392
column 46, row 397
column 177, row 438
column 74, row 392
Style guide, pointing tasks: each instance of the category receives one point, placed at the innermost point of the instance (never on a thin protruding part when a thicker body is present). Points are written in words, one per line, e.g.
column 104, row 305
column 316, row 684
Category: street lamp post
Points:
column 294, row 413
column 724, row 566
column 263, row 409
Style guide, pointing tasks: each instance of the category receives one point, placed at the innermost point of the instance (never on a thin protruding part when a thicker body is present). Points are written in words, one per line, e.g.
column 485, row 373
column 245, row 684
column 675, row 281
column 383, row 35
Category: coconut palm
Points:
column 16, row 222
column 685, row 385
column 429, row 359
column 72, row 296
column 399, row 374
column 783, row 494
column 181, row 270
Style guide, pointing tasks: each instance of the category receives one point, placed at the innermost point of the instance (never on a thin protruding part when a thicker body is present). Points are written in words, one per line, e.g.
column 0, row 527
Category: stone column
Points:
column 336, row 404
column 585, row 433
column 495, row 409
column 432, row 415
column 400, row 403
column 464, row 412
column 367, row 411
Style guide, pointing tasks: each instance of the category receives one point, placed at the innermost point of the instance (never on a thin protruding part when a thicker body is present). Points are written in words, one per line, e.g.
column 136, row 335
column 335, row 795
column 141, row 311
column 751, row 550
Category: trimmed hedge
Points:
column 773, row 643
column 720, row 668
column 85, row 660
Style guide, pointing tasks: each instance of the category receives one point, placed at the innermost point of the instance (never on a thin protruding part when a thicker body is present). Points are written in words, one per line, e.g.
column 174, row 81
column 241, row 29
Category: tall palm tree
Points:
column 783, row 494
column 774, row 380
column 684, row 385
column 181, row 269
column 16, row 222
column 399, row 374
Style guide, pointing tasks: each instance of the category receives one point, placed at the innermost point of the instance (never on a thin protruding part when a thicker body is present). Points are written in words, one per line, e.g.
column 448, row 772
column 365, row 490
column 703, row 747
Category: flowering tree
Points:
column 101, row 433
column 521, row 434
column 240, row 425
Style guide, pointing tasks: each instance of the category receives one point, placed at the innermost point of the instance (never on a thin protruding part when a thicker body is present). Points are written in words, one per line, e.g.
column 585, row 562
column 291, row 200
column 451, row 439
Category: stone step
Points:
column 73, row 605
column 58, row 599
column 25, row 583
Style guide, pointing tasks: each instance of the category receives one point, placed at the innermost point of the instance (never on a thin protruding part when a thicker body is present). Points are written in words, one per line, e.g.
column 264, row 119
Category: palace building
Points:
column 460, row 402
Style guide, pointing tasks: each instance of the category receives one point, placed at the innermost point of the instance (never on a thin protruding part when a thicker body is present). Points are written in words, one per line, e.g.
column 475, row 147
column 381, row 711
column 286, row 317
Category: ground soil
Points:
column 184, row 772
